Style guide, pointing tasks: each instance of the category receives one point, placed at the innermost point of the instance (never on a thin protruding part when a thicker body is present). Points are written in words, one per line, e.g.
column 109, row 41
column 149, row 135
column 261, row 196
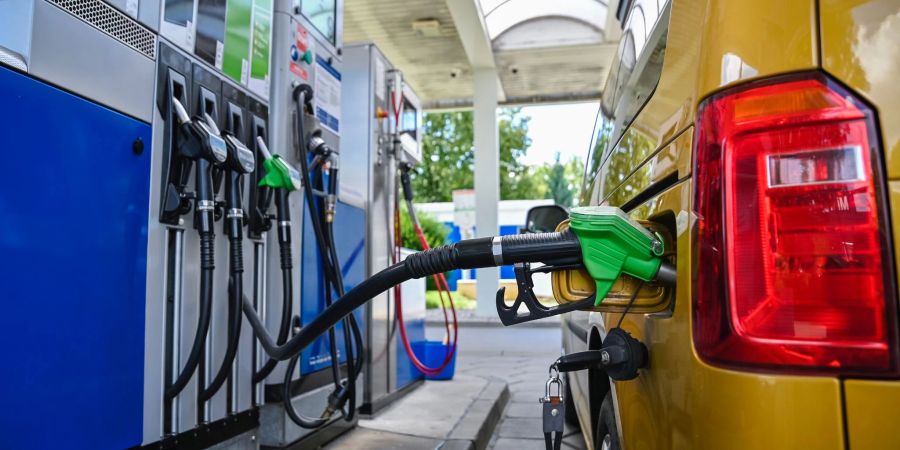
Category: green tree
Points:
column 557, row 185
column 562, row 181
column 435, row 231
column 448, row 157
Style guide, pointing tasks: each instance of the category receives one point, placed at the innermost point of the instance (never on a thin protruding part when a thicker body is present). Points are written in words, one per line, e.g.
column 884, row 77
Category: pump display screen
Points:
column 179, row 12
column 323, row 15
column 409, row 123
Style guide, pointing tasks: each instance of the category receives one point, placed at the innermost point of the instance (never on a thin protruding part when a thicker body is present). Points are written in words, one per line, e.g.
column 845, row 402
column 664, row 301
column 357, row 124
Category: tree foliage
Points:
column 435, row 231
column 449, row 159
column 449, row 156
column 561, row 181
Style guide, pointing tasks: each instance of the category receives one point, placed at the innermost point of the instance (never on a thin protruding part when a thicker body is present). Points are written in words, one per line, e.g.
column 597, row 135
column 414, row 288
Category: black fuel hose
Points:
column 332, row 278
column 347, row 393
column 329, row 279
column 560, row 246
column 283, row 216
column 204, row 219
column 234, row 222
column 207, row 263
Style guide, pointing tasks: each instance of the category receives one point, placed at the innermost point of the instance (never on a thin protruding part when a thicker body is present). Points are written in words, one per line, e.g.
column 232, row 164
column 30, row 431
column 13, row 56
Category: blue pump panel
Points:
column 350, row 240
column 74, row 202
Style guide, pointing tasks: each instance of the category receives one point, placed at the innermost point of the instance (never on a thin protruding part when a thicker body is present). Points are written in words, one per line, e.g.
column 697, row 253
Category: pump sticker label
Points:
column 328, row 95
column 299, row 71
column 380, row 87
column 302, row 38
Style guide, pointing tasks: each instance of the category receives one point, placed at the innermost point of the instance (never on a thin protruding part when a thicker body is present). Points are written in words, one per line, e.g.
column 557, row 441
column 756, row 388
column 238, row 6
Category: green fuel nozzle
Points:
column 279, row 174
column 612, row 244
column 609, row 244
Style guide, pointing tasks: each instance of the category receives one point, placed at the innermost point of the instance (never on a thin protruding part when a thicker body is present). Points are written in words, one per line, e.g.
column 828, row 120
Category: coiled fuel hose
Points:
column 321, row 220
column 440, row 282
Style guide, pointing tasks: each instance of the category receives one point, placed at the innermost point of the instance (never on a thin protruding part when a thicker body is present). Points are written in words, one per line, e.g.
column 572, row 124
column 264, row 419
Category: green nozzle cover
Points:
column 611, row 244
column 280, row 175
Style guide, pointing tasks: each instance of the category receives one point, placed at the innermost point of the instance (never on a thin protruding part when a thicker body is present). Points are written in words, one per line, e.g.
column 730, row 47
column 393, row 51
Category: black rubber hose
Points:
column 283, row 216
column 536, row 247
column 329, row 279
column 284, row 329
column 351, row 327
column 234, row 319
column 303, row 422
column 357, row 297
column 353, row 367
column 207, row 265
column 466, row 254
column 331, row 267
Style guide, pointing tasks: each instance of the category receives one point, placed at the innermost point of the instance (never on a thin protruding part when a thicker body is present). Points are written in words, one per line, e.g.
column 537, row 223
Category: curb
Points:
column 474, row 430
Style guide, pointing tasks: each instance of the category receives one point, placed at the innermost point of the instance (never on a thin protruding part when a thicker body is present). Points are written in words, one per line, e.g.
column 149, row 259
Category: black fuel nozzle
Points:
column 199, row 141
column 240, row 162
column 620, row 357
column 326, row 155
column 406, row 181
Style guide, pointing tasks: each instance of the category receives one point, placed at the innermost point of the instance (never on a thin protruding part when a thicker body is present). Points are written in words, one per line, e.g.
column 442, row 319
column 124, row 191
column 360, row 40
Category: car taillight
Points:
column 793, row 268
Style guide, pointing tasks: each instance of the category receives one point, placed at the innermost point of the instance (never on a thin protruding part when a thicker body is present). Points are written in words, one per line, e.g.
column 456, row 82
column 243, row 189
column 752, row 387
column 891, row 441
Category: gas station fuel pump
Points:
column 165, row 350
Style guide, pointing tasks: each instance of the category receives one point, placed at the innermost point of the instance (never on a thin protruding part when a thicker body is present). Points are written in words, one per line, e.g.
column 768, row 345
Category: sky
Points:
column 564, row 128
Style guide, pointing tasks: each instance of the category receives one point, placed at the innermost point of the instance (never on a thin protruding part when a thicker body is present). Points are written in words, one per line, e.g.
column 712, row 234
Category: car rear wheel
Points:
column 606, row 436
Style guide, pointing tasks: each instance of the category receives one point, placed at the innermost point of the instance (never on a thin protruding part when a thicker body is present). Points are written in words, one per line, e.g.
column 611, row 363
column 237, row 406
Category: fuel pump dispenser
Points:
column 159, row 333
column 301, row 401
column 383, row 117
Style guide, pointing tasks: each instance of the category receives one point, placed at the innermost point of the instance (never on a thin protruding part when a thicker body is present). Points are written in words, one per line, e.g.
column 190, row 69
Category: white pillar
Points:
column 487, row 181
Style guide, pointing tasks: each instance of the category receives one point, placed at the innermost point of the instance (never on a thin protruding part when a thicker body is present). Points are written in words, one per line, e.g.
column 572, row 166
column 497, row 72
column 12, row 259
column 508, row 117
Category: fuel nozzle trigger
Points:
column 509, row 315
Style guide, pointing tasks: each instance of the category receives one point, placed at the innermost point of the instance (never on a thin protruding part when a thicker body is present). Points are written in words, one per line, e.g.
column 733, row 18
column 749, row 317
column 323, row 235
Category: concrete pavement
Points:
column 491, row 403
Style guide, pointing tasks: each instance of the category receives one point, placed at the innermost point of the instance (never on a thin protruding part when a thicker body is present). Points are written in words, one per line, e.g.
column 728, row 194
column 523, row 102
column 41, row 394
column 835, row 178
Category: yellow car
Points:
column 764, row 137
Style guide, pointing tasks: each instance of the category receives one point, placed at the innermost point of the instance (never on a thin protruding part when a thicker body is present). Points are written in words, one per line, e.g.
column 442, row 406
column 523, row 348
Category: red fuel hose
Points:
column 441, row 283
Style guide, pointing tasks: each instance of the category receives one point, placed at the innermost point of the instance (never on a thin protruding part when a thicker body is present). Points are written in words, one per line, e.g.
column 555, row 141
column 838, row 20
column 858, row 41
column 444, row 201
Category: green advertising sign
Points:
column 235, row 61
column 262, row 31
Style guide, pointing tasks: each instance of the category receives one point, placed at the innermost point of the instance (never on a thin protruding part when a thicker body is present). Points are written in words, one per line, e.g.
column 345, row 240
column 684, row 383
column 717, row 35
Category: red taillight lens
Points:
column 793, row 264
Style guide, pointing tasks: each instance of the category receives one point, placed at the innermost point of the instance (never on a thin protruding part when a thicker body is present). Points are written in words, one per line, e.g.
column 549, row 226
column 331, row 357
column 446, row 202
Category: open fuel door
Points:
column 575, row 285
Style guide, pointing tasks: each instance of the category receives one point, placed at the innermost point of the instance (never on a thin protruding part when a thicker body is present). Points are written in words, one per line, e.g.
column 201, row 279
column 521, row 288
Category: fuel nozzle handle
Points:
column 406, row 181
column 199, row 138
column 240, row 162
column 324, row 153
column 199, row 141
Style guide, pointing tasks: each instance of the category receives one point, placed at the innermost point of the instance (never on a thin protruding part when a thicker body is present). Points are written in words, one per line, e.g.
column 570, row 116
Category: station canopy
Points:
column 542, row 50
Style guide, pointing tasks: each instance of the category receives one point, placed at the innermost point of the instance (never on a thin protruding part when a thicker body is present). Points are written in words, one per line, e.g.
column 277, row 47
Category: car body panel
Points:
column 872, row 414
column 680, row 401
column 748, row 39
column 861, row 48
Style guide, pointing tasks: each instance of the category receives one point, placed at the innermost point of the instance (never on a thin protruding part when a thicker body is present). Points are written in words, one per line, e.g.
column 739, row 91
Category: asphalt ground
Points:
column 519, row 355
column 490, row 355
